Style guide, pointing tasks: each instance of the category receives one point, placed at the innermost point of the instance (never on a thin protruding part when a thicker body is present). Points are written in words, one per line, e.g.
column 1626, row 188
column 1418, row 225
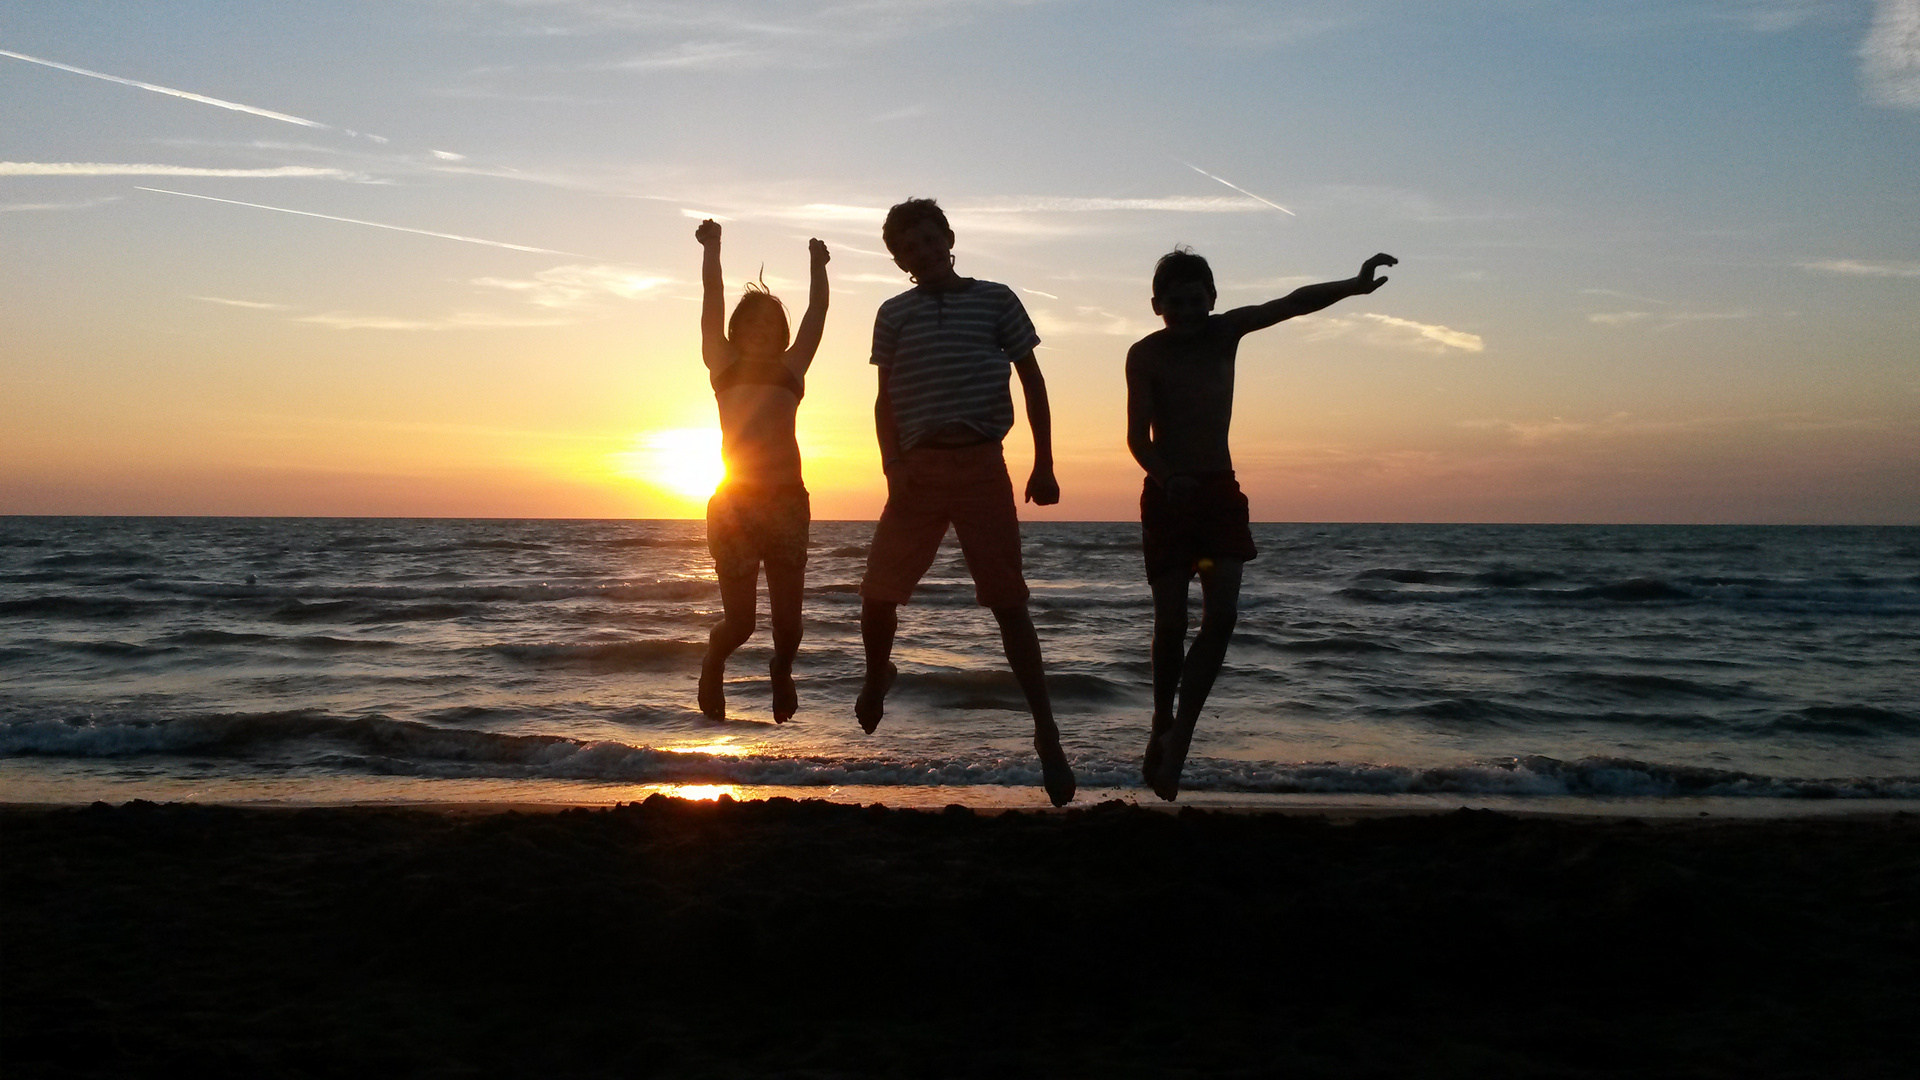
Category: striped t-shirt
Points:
column 947, row 355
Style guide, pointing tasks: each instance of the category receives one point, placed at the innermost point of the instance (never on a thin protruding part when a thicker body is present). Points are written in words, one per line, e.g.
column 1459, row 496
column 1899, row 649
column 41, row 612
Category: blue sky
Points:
column 1661, row 261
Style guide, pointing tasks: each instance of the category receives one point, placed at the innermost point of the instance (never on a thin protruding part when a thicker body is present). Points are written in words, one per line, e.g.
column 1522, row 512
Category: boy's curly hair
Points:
column 906, row 215
column 1180, row 266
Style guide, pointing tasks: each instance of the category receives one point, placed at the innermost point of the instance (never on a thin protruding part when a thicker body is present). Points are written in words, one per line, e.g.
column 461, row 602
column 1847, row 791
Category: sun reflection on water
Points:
column 700, row 792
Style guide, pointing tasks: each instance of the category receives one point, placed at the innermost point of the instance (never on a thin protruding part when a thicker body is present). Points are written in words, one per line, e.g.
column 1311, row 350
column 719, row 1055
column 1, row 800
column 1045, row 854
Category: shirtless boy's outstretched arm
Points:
column 1308, row 299
column 713, row 297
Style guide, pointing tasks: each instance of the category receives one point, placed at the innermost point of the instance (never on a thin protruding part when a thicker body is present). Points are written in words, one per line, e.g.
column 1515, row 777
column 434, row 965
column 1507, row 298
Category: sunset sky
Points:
column 1660, row 259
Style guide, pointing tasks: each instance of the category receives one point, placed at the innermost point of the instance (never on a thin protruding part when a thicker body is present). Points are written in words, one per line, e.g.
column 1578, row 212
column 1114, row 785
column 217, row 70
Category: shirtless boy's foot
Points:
column 1173, row 744
column 786, row 700
column 713, row 692
column 1055, row 773
column 872, row 702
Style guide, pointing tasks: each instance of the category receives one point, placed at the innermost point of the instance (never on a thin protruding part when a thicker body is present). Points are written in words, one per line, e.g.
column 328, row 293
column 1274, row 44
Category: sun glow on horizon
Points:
column 683, row 461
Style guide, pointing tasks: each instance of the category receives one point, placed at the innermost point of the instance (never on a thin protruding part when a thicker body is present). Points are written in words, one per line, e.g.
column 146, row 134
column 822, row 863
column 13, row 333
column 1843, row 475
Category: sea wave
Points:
column 385, row 746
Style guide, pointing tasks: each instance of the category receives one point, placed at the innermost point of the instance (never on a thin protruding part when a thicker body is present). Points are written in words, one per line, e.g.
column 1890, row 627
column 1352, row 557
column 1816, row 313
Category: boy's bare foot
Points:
column 872, row 702
column 786, row 700
column 1055, row 773
column 1156, row 748
column 713, row 692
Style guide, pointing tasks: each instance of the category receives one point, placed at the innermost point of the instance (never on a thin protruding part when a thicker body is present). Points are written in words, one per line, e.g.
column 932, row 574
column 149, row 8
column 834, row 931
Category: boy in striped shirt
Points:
column 943, row 349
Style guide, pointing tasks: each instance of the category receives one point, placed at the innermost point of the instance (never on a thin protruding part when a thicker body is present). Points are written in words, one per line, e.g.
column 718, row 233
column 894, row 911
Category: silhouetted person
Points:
column 1193, row 518
column 760, row 513
column 943, row 349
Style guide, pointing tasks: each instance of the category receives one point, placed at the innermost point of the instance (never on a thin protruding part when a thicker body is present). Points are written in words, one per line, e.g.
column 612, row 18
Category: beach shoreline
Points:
column 720, row 938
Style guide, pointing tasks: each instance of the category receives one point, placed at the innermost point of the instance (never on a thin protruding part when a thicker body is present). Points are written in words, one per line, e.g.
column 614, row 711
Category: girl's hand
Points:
column 815, row 248
column 708, row 232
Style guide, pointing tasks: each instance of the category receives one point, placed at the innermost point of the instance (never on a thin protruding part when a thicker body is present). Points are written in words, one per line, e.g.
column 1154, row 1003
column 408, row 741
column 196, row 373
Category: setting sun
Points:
column 685, row 461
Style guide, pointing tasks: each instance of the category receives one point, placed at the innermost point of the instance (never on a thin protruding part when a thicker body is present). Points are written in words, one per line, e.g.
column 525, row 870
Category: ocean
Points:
column 1614, row 669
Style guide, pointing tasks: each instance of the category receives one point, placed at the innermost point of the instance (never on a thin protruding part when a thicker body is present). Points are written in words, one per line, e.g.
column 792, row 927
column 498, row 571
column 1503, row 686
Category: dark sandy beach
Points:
column 814, row 939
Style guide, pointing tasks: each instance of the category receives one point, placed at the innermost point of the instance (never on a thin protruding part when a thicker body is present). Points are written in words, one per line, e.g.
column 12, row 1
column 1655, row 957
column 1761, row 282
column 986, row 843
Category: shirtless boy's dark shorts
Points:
column 1214, row 525
column 748, row 524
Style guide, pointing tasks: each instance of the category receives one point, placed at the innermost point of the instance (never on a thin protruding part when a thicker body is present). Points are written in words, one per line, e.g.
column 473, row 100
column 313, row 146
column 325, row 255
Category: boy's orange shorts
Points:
column 929, row 489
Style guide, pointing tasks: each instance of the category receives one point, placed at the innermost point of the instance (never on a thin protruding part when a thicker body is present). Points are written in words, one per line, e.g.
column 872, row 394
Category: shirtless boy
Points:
column 1193, row 517
column 943, row 349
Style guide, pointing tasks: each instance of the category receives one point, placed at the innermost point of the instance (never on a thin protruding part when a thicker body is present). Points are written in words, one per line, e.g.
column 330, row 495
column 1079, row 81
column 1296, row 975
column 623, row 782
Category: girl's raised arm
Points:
column 814, row 322
column 713, row 297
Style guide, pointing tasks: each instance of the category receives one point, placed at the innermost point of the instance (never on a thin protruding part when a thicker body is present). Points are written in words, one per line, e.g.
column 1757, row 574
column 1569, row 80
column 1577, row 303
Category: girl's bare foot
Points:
column 786, row 700
column 872, row 702
column 713, row 692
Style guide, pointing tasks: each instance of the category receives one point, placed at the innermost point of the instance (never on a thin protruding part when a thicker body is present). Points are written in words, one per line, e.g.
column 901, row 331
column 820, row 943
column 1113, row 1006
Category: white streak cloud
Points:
column 373, row 224
column 1237, row 188
column 1890, row 55
column 99, row 168
column 202, row 99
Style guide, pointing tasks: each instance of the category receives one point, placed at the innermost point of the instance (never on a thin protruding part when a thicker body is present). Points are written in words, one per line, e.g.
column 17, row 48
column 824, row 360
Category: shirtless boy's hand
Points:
column 816, row 248
column 1042, row 488
column 1367, row 281
column 708, row 232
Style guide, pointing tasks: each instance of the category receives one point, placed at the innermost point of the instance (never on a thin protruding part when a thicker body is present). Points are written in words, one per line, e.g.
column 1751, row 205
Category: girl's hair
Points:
column 756, row 301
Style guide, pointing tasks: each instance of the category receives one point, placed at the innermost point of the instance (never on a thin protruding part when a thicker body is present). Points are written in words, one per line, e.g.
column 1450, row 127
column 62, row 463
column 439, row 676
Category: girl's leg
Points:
column 736, row 625
column 785, row 585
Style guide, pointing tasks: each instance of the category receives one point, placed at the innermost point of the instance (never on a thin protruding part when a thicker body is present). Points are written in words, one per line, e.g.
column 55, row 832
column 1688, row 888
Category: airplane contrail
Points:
column 201, row 98
column 373, row 224
column 1238, row 188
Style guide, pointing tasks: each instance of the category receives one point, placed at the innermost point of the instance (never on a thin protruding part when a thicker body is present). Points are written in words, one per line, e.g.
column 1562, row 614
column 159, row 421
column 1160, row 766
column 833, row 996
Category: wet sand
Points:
column 818, row 939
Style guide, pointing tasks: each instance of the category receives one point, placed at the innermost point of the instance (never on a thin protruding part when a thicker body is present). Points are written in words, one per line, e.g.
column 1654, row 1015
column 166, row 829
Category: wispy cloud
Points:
column 98, row 168
column 1088, row 320
column 1442, row 337
column 1862, row 268
column 1252, row 24
column 907, row 113
column 1390, row 331
column 254, row 305
column 235, row 106
column 577, row 286
column 1237, row 188
column 372, row 224
column 1664, row 320
column 1618, row 295
column 1071, row 204
column 698, row 55
column 81, row 204
column 1890, row 55
column 469, row 320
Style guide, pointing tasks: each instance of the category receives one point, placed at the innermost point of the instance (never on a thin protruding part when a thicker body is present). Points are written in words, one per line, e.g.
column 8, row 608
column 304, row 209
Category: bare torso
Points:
column 1187, row 380
column 756, row 434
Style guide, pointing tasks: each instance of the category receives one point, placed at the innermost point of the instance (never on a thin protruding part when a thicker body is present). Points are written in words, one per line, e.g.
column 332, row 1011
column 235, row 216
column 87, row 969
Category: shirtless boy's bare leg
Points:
column 734, row 628
column 1169, row 651
column 1220, row 594
column 879, row 621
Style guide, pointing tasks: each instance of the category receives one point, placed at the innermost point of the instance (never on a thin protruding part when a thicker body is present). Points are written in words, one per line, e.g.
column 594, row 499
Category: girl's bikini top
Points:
column 758, row 372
